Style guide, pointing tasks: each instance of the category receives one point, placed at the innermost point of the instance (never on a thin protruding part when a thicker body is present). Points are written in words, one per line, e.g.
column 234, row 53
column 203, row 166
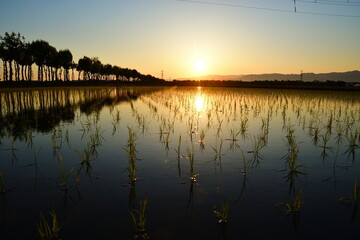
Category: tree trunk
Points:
column 5, row 71
column 22, row 72
column 17, row 71
column 29, row 73
column 11, row 71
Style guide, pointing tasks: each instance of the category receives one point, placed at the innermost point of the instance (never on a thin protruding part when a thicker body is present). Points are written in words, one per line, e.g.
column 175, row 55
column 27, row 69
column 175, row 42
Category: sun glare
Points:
column 199, row 66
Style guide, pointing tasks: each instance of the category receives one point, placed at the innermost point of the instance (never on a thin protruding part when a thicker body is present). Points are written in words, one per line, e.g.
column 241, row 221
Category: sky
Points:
column 193, row 38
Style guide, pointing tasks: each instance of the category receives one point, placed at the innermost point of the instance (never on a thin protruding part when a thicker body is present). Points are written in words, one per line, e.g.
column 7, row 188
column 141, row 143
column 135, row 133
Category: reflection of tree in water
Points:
column 44, row 109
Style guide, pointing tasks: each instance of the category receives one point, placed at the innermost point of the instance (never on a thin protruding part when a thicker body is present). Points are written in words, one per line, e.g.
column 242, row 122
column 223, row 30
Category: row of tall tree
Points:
column 18, row 57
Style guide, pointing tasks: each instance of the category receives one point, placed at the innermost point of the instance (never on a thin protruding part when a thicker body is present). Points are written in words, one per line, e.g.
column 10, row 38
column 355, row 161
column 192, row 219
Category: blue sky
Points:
column 171, row 35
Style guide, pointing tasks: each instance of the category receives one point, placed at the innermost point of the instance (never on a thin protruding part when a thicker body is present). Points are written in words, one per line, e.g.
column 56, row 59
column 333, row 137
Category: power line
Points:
column 337, row 1
column 330, row 3
column 267, row 9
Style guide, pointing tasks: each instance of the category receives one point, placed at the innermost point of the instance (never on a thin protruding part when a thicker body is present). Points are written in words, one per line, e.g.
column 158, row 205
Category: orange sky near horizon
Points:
column 172, row 36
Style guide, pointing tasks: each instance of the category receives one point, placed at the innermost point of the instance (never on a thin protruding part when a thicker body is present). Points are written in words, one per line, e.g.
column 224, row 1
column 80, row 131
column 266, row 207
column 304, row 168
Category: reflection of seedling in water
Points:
column 258, row 144
column 178, row 153
column 95, row 140
column 324, row 146
column 218, row 152
column 353, row 200
column 29, row 138
column 13, row 150
column 329, row 123
column 293, row 207
column 36, row 153
column 222, row 215
column 353, row 146
column 244, row 171
column 354, row 196
column 179, row 147
column 47, row 232
column 2, row 184
column 233, row 135
column 56, row 140
column 139, row 219
column 246, row 164
column 244, row 124
column 64, row 176
column 339, row 134
column 292, row 167
column 85, row 157
column 209, row 118
column 315, row 135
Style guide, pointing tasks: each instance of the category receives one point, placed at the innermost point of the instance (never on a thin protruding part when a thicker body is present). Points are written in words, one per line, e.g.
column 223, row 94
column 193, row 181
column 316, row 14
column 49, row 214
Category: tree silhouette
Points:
column 39, row 50
column 11, row 45
column 66, row 61
column 18, row 57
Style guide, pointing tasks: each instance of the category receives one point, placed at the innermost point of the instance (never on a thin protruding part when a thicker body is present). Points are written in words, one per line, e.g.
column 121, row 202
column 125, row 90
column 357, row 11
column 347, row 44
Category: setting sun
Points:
column 199, row 66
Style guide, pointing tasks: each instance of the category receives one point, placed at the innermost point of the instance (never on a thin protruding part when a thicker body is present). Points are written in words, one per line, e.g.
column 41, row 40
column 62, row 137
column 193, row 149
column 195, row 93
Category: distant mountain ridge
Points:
column 351, row 76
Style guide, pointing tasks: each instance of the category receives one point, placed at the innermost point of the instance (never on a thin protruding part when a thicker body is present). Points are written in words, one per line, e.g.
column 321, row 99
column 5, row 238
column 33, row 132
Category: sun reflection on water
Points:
column 199, row 103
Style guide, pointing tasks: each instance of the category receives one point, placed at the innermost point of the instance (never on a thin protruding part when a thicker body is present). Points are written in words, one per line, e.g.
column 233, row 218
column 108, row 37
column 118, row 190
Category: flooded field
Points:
column 179, row 163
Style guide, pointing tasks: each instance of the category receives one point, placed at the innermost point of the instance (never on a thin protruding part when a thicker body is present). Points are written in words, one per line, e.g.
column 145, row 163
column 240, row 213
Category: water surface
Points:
column 69, row 150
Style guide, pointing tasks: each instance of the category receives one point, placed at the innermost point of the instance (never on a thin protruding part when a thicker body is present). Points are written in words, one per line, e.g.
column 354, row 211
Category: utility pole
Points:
column 162, row 74
column 301, row 75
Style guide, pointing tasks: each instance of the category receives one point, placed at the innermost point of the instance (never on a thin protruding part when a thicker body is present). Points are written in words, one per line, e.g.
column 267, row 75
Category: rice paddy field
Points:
column 179, row 163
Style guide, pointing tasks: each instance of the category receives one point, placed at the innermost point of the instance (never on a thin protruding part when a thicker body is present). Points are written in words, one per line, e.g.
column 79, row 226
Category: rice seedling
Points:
column 352, row 145
column 223, row 214
column 329, row 122
column 202, row 137
column 291, row 138
column 191, row 157
column 116, row 121
column 46, row 230
column 293, row 207
column 315, row 134
column 132, row 171
column 293, row 163
column 139, row 220
column 131, row 153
